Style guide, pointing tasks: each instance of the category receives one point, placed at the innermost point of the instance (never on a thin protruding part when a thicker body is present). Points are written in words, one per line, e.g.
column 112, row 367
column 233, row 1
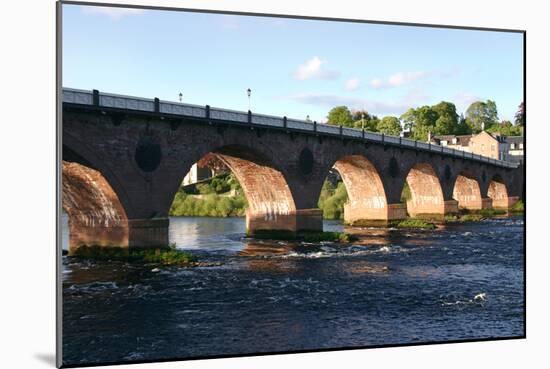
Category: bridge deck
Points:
column 140, row 104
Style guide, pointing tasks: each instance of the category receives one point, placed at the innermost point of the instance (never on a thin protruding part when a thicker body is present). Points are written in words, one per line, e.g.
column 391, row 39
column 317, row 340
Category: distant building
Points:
column 460, row 142
column 496, row 146
column 512, row 149
column 486, row 144
column 196, row 174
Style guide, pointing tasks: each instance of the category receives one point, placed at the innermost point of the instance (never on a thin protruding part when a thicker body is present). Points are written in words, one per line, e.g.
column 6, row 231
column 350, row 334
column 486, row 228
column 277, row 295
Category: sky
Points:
column 294, row 67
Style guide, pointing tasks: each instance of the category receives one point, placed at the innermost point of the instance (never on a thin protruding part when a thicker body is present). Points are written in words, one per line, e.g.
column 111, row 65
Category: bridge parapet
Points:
column 131, row 103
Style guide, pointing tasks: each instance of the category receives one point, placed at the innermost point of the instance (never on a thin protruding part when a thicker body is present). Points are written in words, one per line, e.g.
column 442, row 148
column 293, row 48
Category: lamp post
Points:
column 248, row 92
column 362, row 120
column 180, row 96
column 307, row 118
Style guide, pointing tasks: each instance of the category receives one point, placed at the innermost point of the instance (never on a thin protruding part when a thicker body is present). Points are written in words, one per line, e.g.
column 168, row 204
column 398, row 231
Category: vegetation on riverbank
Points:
column 332, row 200
column 221, row 197
column 519, row 207
column 476, row 215
column 415, row 223
column 304, row 236
column 165, row 256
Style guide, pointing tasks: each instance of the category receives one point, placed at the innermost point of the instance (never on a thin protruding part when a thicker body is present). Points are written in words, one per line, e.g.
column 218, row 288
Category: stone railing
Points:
column 114, row 101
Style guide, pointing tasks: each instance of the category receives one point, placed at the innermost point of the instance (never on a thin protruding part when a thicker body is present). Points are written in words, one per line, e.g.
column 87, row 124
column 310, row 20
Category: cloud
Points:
column 313, row 69
column 398, row 79
column 464, row 99
column 352, row 84
column 114, row 13
column 415, row 97
column 449, row 73
column 329, row 101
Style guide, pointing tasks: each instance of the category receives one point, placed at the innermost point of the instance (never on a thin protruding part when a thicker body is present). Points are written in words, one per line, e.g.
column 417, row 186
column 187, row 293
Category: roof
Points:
column 514, row 139
column 462, row 140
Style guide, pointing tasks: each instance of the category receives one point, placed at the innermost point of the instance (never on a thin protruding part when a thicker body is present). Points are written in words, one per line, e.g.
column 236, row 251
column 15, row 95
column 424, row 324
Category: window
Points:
column 512, row 146
column 521, row 146
column 454, row 141
column 443, row 143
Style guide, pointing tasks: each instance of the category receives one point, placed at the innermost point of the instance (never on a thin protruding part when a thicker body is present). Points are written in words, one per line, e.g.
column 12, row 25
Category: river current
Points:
column 461, row 281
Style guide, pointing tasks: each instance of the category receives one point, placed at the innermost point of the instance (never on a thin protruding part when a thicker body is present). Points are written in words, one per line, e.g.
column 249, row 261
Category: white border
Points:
column 28, row 183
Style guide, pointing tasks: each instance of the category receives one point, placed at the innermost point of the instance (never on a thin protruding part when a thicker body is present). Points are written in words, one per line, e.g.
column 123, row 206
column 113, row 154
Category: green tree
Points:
column 481, row 115
column 389, row 125
column 340, row 115
column 408, row 118
column 362, row 119
column 519, row 118
column 462, row 127
column 506, row 128
column 422, row 121
column 447, row 120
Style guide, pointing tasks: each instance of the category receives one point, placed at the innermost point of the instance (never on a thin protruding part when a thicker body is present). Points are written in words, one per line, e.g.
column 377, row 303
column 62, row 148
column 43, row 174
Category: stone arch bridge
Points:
column 124, row 158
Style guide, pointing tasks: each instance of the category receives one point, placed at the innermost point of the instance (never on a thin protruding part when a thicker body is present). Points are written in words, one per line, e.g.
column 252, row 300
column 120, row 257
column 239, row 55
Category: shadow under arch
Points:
column 426, row 198
column 96, row 216
column 367, row 201
column 498, row 193
column 467, row 192
column 75, row 150
column 270, row 202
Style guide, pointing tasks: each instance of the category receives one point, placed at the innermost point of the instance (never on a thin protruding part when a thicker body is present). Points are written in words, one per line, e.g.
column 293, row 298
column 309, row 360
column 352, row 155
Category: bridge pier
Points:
column 505, row 203
column 360, row 215
column 82, row 234
column 293, row 221
column 475, row 203
column 432, row 209
column 148, row 233
column 131, row 233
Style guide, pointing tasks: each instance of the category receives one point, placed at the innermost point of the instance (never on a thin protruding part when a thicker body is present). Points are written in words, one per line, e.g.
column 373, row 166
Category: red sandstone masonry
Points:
column 96, row 217
column 108, row 143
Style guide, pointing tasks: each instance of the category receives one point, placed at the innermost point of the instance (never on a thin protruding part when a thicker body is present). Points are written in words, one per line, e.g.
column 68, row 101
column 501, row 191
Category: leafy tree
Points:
column 481, row 115
column 519, row 118
column 447, row 120
column 332, row 200
column 421, row 120
column 506, row 128
column 408, row 118
column 462, row 127
column 389, row 125
column 362, row 119
column 340, row 115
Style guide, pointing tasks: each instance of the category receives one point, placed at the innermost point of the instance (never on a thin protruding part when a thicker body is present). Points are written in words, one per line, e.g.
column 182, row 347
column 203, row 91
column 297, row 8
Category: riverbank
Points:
column 168, row 255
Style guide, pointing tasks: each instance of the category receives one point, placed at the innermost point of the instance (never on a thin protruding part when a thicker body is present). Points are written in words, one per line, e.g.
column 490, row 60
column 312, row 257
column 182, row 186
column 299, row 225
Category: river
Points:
column 391, row 287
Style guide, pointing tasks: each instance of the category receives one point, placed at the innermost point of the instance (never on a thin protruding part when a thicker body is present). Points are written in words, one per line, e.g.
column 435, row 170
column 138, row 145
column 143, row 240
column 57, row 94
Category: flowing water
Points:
column 461, row 281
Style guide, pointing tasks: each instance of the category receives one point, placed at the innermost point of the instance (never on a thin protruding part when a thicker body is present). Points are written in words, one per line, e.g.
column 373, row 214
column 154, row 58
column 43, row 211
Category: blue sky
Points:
column 293, row 67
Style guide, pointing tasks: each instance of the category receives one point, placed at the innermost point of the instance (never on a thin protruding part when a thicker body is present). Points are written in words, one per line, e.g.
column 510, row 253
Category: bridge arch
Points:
column 270, row 202
column 96, row 216
column 76, row 151
column 366, row 193
column 426, row 194
column 498, row 192
column 467, row 191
